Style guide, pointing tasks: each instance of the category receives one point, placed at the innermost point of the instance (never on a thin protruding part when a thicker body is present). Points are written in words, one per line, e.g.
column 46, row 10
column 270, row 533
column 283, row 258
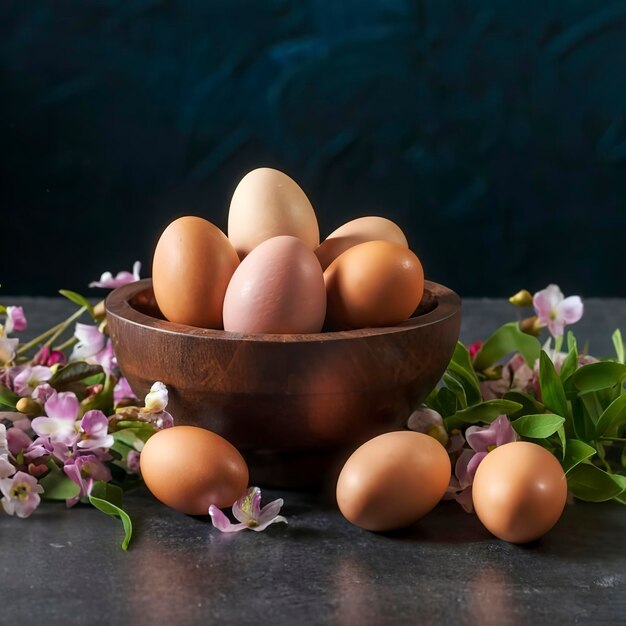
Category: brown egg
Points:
column 189, row 468
column 266, row 204
column 192, row 266
column 393, row 480
column 377, row 283
column 371, row 228
column 519, row 491
column 278, row 288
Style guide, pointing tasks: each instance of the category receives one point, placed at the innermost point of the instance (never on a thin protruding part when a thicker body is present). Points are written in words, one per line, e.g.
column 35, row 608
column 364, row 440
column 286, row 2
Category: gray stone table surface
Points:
column 66, row 567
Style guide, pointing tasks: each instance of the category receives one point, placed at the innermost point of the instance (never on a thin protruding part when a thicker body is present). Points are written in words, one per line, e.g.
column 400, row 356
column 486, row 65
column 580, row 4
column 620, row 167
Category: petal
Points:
column 505, row 433
column 264, row 525
column 570, row 310
column 247, row 507
column 460, row 469
column 270, row 511
column 480, row 437
column 16, row 320
column 136, row 270
column 63, row 405
column 473, row 464
column 6, row 468
column 222, row 523
column 556, row 327
column 94, row 422
column 90, row 341
column 464, row 498
column 546, row 300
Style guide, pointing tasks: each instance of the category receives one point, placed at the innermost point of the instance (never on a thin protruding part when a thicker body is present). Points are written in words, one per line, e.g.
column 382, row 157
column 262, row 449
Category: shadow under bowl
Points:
column 294, row 405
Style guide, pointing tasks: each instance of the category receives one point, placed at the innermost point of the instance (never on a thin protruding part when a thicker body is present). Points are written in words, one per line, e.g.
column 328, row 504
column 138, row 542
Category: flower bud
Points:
column 29, row 407
column 522, row 298
column 530, row 325
column 99, row 311
column 425, row 420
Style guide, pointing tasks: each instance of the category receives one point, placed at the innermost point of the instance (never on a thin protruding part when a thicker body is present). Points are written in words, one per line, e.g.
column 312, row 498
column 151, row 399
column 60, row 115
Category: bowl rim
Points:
column 117, row 305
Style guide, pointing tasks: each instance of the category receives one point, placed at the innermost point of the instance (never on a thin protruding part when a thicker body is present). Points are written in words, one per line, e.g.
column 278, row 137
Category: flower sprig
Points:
column 510, row 387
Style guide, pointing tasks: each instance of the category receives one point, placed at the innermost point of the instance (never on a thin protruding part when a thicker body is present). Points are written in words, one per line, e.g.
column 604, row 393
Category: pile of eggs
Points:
column 272, row 275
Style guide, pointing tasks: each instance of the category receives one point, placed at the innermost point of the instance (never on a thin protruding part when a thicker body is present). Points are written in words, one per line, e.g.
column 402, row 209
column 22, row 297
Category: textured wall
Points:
column 493, row 132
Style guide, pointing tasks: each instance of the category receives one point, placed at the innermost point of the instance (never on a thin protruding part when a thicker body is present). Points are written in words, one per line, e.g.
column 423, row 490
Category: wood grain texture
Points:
column 289, row 403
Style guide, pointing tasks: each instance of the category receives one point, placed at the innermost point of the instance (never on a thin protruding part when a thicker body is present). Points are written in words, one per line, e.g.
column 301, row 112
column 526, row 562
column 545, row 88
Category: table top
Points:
column 66, row 566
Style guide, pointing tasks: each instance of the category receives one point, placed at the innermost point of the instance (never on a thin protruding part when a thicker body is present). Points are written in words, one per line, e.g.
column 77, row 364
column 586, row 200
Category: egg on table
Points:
column 189, row 468
column 519, row 491
column 268, row 203
column 393, row 480
column 377, row 283
column 192, row 266
column 278, row 288
column 371, row 228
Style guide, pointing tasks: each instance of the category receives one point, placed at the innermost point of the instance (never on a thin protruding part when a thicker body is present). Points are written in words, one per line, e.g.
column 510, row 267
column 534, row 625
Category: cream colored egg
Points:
column 267, row 203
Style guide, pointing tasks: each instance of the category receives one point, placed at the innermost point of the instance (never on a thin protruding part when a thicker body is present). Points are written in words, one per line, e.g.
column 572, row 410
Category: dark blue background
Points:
column 493, row 132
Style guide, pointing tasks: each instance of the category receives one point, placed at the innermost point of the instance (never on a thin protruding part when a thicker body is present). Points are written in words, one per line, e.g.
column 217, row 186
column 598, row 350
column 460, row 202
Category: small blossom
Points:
column 247, row 510
column 474, row 348
column 90, row 342
column 8, row 346
column 108, row 281
column 122, row 391
column 555, row 311
column 132, row 462
column 84, row 471
column 105, row 358
column 59, row 422
column 16, row 320
column 30, row 378
column 21, row 494
column 93, row 431
column 17, row 440
column 49, row 357
column 426, row 420
column 516, row 375
column 460, row 487
column 43, row 393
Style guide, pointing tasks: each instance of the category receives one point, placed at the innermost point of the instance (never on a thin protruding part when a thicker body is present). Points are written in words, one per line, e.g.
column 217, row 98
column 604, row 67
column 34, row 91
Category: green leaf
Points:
column 618, row 342
column 576, row 452
column 447, row 401
column 57, row 486
column 590, row 483
column 76, row 298
column 461, row 367
column 108, row 499
column 456, row 388
column 620, row 480
column 570, row 365
column 538, row 426
column 529, row 403
column 506, row 340
column 560, row 431
column 552, row 393
column 73, row 372
column 7, row 397
column 596, row 376
column 613, row 417
column 485, row 412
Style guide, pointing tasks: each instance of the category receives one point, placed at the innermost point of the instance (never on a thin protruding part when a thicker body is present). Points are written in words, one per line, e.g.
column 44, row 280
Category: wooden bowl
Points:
column 292, row 404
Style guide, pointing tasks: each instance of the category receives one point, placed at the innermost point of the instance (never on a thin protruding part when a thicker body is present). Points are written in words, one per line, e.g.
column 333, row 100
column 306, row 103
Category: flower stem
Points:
column 66, row 344
column 55, row 332
column 619, row 439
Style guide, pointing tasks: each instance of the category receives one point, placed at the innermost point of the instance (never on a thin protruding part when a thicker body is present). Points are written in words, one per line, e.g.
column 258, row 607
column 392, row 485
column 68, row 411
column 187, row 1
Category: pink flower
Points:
column 516, row 375
column 122, row 391
column 474, row 348
column 482, row 440
column 49, row 357
column 84, row 471
column 90, row 342
column 21, row 494
column 43, row 392
column 132, row 462
column 108, row 281
column 105, row 358
column 29, row 378
column 18, row 440
column 93, row 431
column 16, row 320
column 249, row 513
column 555, row 311
column 59, row 423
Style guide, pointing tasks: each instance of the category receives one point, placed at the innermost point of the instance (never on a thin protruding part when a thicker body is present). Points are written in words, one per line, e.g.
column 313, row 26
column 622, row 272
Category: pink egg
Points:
column 278, row 288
